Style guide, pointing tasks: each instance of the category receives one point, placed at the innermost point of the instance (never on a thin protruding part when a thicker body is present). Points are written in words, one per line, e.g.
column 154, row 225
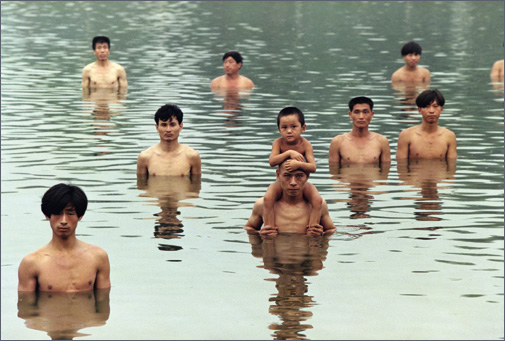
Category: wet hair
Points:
column 291, row 111
column 168, row 111
column 360, row 100
column 59, row 196
column 411, row 47
column 100, row 39
column 428, row 96
column 234, row 54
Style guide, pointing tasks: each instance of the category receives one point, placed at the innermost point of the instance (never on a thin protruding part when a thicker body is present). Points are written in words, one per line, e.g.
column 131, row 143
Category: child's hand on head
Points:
column 296, row 156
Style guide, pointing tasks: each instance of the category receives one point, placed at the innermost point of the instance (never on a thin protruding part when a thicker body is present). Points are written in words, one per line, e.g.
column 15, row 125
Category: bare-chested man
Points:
column 103, row 73
column 411, row 72
column 169, row 157
column 360, row 145
column 497, row 71
column 292, row 210
column 427, row 140
column 231, row 80
column 66, row 264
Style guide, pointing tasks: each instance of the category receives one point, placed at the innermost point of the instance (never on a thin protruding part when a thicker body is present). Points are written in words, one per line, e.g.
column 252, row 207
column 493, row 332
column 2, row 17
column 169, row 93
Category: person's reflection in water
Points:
column 405, row 96
column 232, row 104
column 426, row 174
column 106, row 102
column 169, row 191
column 292, row 257
column 358, row 179
column 62, row 315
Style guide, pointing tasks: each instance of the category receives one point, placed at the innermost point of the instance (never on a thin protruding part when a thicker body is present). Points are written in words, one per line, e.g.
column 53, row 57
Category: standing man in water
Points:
column 427, row 140
column 231, row 80
column 360, row 145
column 103, row 73
column 66, row 264
column 411, row 72
column 292, row 210
column 169, row 157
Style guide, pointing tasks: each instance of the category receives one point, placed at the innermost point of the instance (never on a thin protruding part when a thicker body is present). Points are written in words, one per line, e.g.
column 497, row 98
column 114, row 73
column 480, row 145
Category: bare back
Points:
column 84, row 267
column 112, row 75
column 414, row 143
column 349, row 148
column 183, row 161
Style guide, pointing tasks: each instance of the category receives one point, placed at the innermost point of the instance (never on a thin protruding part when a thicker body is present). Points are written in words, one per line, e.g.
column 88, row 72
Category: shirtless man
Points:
column 66, row 264
column 232, row 62
column 292, row 211
column 103, row 73
column 410, row 72
column 169, row 157
column 427, row 140
column 497, row 71
column 360, row 145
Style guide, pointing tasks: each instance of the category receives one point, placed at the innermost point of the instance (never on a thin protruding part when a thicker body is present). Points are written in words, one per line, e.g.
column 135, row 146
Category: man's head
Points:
column 167, row 113
column 292, row 182
column 232, row 62
column 100, row 39
column 361, row 112
column 57, row 198
column 360, row 100
column 411, row 48
column 234, row 54
column 428, row 96
column 291, row 111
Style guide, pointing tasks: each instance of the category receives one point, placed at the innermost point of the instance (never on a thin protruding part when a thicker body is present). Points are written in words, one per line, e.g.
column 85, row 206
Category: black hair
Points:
column 100, row 39
column 168, row 111
column 428, row 96
column 411, row 47
column 234, row 54
column 360, row 100
column 59, row 196
column 291, row 111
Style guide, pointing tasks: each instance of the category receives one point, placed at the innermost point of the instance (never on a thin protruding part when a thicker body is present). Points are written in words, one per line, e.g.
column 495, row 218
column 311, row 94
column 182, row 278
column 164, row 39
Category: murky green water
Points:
column 419, row 253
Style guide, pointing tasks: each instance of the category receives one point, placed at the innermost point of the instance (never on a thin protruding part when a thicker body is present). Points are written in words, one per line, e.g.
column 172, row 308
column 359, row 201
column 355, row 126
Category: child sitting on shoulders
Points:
column 291, row 145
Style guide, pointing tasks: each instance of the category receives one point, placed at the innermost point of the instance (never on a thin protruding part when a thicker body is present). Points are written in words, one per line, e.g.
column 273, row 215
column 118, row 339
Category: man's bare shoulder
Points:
column 216, row 83
column 379, row 137
column 246, row 82
column 88, row 67
column 149, row 152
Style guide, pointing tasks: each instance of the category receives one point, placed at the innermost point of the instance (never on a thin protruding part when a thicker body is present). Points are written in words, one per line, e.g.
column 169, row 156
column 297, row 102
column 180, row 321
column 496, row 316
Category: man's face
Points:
column 361, row 115
column 230, row 66
column 169, row 130
column 101, row 51
column 64, row 223
column 411, row 59
column 292, row 183
column 431, row 113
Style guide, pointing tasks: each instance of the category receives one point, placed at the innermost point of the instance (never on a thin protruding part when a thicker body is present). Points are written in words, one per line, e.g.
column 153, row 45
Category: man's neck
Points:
column 360, row 132
column 409, row 68
column 169, row 146
column 232, row 76
column 103, row 63
column 429, row 127
column 63, row 244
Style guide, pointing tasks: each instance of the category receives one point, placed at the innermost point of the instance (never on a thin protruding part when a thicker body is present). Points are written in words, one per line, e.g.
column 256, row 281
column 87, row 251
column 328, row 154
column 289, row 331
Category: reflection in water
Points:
column 292, row 257
column 232, row 104
column 62, row 315
column 358, row 179
column 426, row 174
column 169, row 191
column 406, row 96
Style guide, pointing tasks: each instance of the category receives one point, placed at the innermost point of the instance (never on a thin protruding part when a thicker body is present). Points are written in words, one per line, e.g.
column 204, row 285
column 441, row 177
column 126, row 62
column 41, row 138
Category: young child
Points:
column 292, row 146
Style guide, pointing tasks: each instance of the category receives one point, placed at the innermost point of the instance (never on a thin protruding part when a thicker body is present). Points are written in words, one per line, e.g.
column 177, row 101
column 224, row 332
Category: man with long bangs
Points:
column 65, row 264
column 411, row 72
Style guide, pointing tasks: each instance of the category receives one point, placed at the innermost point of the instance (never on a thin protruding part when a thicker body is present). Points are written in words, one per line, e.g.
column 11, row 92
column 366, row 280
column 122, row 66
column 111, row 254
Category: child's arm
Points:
column 312, row 195
column 276, row 157
column 309, row 162
column 274, row 193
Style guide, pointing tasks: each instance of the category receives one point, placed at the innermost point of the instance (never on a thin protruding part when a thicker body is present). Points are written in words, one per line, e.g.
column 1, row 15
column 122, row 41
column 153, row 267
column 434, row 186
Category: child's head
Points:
column 166, row 112
column 291, row 111
column 59, row 196
column 411, row 47
column 428, row 96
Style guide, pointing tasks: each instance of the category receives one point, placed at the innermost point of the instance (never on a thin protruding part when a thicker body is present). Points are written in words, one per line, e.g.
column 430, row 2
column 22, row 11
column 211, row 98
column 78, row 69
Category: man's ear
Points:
column 240, row 67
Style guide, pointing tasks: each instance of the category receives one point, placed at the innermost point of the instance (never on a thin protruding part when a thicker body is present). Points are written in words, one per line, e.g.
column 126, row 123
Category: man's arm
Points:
column 334, row 154
column 385, row 150
column 451, row 148
column 326, row 225
column 85, row 77
column 103, row 271
column 122, row 77
column 497, row 71
column 255, row 221
column 426, row 76
column 142, row 162
column 402, row 150
column 196, row 163
column 215, row 84
column 27, row 274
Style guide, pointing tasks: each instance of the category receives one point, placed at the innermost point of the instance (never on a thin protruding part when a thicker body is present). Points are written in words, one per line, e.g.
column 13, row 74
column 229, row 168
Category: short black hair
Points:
column 59, row 196
column 428, row 96
column 360, row 100
column 234, row 54
column 291, row 111
column 411, row 47
column 100, row 39
column 168, row 111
